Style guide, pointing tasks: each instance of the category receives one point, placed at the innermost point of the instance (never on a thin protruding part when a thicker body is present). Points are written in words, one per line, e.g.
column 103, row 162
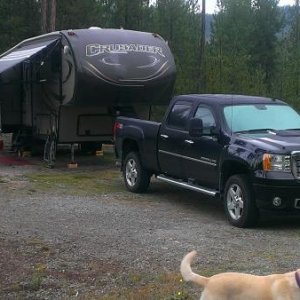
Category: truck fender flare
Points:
column 134, row 134
column 230, row 167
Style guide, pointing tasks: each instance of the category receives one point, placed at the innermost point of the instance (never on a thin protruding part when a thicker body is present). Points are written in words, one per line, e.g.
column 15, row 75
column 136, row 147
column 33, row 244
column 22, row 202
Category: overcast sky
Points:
column 211, row 4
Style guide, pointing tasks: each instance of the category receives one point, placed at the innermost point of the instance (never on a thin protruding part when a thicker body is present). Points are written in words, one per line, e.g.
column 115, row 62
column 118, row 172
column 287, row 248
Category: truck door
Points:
column 171, row 139
column 202, row 154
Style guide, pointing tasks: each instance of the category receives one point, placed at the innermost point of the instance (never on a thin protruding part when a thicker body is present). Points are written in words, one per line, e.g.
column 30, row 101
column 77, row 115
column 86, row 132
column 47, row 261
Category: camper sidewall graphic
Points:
column 97, row 49
column 134, row 63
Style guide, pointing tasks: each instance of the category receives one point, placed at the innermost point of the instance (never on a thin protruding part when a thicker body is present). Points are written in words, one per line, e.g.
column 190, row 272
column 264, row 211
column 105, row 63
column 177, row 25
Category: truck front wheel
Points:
column 136, row 178
column 239, row 202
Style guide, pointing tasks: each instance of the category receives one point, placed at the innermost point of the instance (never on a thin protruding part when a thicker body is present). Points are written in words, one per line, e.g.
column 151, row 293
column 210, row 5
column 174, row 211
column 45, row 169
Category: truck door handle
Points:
column 164, row 136
column 189, row 142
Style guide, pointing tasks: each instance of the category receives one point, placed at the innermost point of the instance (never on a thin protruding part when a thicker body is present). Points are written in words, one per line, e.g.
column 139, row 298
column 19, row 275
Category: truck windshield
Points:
column 260, row 117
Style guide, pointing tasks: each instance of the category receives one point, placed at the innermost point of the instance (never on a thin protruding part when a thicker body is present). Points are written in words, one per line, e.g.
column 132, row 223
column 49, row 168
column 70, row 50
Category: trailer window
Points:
column 178, row 116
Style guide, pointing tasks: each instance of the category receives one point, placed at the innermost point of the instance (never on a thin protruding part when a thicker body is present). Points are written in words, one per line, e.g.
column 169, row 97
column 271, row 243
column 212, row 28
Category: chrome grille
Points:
column 296, row 164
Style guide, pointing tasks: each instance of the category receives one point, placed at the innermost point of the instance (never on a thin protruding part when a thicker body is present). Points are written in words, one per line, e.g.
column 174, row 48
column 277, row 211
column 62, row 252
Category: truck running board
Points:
column 189, row 186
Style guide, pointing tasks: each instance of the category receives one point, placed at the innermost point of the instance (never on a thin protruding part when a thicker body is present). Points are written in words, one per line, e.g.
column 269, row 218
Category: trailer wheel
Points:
column 239, row 202
column 136, row 178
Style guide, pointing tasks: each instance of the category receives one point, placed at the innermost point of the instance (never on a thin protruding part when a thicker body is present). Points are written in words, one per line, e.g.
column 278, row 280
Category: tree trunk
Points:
column 52, row 18
column 44, row 12
column 202, row 77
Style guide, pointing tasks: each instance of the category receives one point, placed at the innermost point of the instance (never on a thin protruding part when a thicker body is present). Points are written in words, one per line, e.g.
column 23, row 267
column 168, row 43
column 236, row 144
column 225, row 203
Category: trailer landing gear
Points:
column 72, row 164
column 50, row 150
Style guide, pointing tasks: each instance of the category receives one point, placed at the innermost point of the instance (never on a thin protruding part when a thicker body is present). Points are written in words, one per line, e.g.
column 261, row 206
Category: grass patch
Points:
column 3, row 180
column 41, row 246
column 96, row 182
column 34, row 283
column 167, row 286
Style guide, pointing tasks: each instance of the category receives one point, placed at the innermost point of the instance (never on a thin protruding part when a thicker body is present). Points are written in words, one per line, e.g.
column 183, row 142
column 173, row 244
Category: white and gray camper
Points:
column 68, row 86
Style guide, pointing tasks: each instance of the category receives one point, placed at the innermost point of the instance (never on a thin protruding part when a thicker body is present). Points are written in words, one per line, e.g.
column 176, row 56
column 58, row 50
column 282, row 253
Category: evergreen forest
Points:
column 246, row 47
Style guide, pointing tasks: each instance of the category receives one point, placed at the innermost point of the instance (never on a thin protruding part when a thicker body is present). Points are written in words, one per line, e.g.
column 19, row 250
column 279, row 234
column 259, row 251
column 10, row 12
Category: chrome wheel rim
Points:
column 235, row 202
column 131, row 172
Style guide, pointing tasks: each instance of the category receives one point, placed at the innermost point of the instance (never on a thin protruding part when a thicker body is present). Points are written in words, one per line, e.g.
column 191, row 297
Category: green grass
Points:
column 2, row 179
column 34, row 281
column 96, row 182
column 166, row 286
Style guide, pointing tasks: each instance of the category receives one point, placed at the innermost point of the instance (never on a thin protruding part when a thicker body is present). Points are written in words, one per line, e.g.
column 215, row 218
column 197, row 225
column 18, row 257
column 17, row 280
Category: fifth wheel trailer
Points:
column 68, row 86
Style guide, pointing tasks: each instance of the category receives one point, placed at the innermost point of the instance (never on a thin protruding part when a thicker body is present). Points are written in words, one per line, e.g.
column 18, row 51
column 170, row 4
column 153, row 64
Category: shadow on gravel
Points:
column 279, row 221
column 213, row 208
column 189, row 200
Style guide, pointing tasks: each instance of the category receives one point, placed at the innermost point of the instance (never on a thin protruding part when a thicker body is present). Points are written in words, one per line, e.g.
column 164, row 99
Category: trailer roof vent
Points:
column 95, row 27
column 71, row 32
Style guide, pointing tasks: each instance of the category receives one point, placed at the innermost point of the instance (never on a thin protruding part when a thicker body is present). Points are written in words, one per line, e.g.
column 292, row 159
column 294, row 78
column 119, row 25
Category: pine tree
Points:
column 267, row 23
column 16, row 22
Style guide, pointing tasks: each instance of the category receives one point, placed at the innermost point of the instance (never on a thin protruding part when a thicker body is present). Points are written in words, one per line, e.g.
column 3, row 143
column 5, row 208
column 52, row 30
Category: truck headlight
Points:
column 274, row 162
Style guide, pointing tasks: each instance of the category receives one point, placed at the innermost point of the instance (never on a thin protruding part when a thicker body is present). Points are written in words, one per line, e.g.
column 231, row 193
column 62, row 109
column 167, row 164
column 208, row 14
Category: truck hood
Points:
column 282, row 141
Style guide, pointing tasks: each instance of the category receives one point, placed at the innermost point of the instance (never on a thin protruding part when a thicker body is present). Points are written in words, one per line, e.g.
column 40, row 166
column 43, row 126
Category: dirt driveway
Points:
column 78, row 234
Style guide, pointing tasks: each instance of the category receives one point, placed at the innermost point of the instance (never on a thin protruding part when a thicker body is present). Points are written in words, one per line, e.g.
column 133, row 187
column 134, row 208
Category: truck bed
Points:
column 146, row 132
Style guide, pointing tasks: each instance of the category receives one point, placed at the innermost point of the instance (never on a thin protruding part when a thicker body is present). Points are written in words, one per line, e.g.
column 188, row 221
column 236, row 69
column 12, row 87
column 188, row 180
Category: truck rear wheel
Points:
column 136, row 178
column 239, row 202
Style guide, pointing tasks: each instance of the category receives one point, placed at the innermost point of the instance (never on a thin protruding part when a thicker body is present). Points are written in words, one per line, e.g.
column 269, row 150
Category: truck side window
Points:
column 179, row 114
column 207, row 118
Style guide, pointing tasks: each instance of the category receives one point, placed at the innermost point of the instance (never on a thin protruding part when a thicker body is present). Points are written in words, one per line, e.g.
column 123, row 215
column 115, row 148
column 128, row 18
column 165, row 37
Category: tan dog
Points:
column 239, row 286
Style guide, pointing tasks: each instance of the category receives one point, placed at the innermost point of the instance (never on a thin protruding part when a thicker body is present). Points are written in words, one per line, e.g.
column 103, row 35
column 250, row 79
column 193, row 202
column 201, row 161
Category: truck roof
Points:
column 225, row 99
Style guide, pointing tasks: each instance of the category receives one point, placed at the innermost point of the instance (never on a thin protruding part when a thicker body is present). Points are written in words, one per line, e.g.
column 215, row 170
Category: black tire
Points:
column 239, row 202
column 136, row 178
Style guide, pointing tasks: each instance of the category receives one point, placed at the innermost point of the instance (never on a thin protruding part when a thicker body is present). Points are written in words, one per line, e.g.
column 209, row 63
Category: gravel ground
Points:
column 78, row 234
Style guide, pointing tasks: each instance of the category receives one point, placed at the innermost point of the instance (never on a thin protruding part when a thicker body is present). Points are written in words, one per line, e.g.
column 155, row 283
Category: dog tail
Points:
column 188, row 274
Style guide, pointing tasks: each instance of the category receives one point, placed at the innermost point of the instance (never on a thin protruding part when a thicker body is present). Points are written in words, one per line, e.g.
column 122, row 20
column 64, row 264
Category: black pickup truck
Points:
column 243, row 149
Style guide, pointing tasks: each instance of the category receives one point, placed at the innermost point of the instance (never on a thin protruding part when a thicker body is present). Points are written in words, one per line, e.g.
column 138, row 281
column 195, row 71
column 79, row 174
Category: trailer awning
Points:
column 20, row 53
